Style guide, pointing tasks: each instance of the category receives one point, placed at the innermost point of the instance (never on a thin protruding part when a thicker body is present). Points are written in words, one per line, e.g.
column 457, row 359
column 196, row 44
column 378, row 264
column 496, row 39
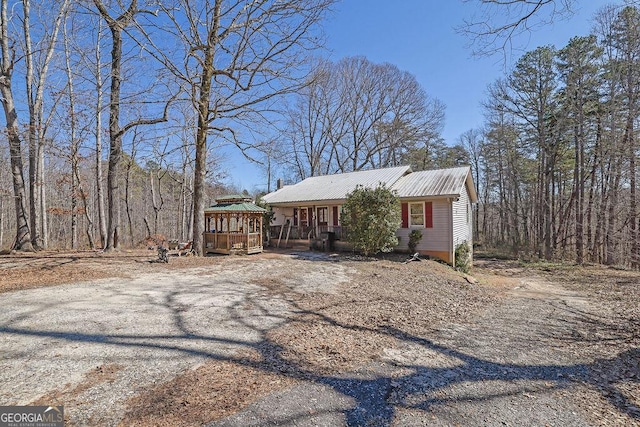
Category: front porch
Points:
column 298, row 235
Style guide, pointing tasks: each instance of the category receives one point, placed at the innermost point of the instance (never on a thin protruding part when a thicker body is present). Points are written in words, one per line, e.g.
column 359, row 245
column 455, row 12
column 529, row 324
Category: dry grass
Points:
column 212, row 391
column 351, row 327
column 70, row 395
column 26, row 270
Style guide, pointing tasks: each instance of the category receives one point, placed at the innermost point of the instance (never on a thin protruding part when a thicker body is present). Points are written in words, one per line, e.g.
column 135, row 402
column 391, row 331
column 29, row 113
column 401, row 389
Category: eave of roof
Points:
column 235, row 207
column 449, row 182
column 436, row 183
column 335, row 187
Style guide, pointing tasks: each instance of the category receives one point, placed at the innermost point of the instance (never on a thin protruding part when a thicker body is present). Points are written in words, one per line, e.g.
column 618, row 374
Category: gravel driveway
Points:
column 144, row 330
column 470, row 358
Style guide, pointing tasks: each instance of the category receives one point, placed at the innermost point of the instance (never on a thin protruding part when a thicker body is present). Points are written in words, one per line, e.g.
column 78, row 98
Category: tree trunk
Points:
column 43, row 200
column 75, row 177
column 115, row 142
column 115, row 136
column 578, row 189
column 127, row 193
column 547, row 219
column 1, row 222
column 610, row 235
column 74, row 202
column 89, row 229
column 200, row 172
column 35, row 101
column 592, row 243
column 157, row 206
column 34, row 199
column 102, row 223
column 23, row 234
column 182, row 225
column 633, row 216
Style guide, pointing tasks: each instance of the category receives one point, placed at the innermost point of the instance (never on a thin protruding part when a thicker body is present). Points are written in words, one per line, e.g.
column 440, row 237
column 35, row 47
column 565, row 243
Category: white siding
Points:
column 281, row 214
column 462, row 219
column 433, row 239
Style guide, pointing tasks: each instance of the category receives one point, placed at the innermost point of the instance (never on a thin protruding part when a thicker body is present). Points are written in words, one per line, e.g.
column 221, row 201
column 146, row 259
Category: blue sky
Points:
column 419, row 37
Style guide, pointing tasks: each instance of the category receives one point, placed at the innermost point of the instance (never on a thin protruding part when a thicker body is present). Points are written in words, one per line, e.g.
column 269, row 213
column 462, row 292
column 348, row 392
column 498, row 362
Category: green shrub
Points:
column 414, row 238
column 372, row 217
column 463, row 257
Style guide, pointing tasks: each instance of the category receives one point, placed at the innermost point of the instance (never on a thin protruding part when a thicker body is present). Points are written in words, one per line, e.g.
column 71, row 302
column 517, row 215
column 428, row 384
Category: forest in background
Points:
column 555, row 165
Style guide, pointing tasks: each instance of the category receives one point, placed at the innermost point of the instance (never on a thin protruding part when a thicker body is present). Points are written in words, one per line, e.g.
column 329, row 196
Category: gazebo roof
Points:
column 234, row 203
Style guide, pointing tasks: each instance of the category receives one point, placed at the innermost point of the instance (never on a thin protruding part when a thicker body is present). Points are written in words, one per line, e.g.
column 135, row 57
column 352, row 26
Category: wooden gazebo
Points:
column 234, row 226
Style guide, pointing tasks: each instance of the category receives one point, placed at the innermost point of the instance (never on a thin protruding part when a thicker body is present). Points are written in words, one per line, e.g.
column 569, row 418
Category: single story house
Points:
column 437, row 202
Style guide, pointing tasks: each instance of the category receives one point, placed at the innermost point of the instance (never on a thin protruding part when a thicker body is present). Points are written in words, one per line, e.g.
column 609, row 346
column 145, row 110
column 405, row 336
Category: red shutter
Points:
column 335, row 216
column 428, row 214
column 405, row 215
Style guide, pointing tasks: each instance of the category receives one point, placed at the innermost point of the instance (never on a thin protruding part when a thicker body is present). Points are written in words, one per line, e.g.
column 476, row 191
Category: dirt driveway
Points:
column 311, row 339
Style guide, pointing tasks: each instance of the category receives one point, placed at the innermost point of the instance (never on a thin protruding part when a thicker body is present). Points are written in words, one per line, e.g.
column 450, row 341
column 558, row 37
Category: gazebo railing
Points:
column 231, row 241
column 253, row 240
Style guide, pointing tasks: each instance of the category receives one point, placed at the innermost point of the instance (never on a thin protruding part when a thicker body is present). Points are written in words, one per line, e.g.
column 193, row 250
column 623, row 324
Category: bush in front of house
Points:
column 463, row 257
column 372, row 217
column 414, row 238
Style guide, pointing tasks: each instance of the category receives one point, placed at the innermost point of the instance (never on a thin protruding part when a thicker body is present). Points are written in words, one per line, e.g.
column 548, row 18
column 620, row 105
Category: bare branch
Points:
column 498, row 24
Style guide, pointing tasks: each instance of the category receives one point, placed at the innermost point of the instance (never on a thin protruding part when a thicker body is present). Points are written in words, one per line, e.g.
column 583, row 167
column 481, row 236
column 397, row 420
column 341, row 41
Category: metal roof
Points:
column 434, row 183
column 335, row 187
column 235, row 207
column 407, row 184
column 232, row 198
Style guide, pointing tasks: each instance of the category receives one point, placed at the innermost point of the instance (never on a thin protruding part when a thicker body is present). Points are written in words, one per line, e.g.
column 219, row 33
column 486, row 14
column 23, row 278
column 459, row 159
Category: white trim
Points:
column 410, row 216
column 318, row 216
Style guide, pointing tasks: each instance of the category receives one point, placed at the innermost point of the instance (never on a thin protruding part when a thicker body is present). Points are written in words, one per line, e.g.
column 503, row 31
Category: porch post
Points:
column 228, row 231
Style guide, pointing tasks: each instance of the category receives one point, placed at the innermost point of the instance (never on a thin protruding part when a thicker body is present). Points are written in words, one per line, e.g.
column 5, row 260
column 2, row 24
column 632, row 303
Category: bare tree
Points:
column 473, row 142
column 356, row 114
column 235, row 58
column 117, row 25
column 7, row 62
column 36, row 75
column 313, row 123
column 496, row 24
column 74, row 141
column 99, row 86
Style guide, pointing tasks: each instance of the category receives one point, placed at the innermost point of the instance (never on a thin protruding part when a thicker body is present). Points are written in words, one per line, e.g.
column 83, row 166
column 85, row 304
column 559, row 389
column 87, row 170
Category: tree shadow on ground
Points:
column 377, row 396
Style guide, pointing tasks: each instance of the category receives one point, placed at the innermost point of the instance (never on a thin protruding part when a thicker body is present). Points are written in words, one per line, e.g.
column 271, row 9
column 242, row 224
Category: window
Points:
column 416, row 214
column 323, row 216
